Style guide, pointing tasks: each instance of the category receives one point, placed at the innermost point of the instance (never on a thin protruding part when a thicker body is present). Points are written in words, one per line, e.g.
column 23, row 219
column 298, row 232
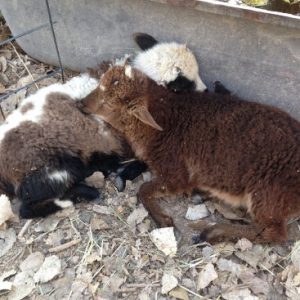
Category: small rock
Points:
column 47, row 225
column 207, row 251
column 147, row 176
column 229, row 266
column 99, row 224
column 101, row 209
column 164, row 240
column 49, row 269
column 5, row 285
column 96, row 180
column 55, row 238
column 33, row 262
column 144, row 227
column 295, row 255
column 196, row 212
column 132, row 201
column 7, row 240
column 206, row 276
column 23, row 285
column 6, row 212
column 179, row 293
column 168, row 282
column 137, row 216
column 296, row 280
column 243, row 244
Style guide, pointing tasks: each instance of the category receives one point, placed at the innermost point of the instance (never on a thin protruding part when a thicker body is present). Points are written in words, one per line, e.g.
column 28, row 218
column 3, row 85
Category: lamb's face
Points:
column 120, row 85
column 121, row 95
column 170, row 64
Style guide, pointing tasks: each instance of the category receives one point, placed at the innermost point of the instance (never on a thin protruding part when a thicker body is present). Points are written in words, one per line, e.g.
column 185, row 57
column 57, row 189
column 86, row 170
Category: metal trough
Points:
column 255, row 53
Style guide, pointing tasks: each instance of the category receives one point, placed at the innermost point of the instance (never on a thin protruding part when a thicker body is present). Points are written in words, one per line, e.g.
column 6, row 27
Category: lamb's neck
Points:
column 139, row 135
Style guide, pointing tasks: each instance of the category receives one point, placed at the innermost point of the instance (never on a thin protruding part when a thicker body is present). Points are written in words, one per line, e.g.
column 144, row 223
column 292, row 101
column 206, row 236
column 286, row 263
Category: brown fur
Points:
column 30, row 146
column 244, row 152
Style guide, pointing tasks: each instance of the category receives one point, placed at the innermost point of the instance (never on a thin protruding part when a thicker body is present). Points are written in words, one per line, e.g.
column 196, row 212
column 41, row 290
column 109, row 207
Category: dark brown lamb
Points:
column 244, row 153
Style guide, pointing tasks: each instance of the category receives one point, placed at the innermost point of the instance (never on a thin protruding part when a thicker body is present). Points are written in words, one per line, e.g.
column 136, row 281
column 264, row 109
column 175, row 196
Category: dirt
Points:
column 106, row 250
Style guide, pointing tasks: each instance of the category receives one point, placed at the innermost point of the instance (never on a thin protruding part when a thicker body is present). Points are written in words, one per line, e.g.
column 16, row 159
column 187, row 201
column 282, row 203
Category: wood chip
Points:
column 64, row 246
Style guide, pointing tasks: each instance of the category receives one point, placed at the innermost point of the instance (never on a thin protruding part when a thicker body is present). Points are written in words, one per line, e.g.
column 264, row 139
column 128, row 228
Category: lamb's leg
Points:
column 271, row 233
column 270, row 208
column 46, row 207
column 225, row 232
column 37, row 210
column 81, row 192
column 148, row 194
column 104, row 163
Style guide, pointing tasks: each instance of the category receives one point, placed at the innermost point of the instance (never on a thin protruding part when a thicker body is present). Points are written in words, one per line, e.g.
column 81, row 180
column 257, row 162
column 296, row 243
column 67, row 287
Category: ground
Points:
column 107, row 250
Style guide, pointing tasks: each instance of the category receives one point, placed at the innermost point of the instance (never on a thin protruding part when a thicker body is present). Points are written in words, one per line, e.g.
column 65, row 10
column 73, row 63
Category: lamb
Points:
column 48, row 147
column 170, row 64
column 245, row 153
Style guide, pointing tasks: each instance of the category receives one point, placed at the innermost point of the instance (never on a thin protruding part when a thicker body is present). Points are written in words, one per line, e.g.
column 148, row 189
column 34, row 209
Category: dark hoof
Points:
column 98, row 200
column 166, row 221
column 119, row 183
column 199, row 238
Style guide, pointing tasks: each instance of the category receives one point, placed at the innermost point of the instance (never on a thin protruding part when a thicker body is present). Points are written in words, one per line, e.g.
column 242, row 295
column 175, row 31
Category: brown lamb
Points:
column 245, row 153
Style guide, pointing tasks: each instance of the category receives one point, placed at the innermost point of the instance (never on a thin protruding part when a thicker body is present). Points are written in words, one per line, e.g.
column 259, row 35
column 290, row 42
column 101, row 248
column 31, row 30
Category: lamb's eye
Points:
column 178, row 70
column 116, row 82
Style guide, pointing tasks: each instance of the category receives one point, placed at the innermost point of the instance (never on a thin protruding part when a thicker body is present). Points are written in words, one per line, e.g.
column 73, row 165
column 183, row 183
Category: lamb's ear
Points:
column 144, row 40
column 142, row 113
column 90, row 103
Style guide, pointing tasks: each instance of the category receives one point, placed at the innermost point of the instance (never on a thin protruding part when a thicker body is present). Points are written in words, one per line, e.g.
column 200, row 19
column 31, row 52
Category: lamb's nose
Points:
column 205, row 91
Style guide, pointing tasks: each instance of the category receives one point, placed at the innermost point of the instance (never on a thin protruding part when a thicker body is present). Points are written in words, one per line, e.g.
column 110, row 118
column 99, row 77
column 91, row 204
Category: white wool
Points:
column 164, row 61
column 61, row 176
column 63, row 203
column 77, row 88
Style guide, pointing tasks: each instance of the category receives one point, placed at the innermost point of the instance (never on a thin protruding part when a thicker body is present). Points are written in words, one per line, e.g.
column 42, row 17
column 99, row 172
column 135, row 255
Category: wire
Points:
column 55, row 41
column 24, row 33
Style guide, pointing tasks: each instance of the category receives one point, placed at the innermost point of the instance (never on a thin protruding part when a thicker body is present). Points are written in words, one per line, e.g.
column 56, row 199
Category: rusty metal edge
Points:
column 248, row 13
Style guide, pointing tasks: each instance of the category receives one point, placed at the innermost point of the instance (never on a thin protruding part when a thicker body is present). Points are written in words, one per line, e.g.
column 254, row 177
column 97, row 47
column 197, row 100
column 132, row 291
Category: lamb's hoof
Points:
column 199, row 239
column 119, row 184
column 214, row 234
column 166, row 221
column 99, row 199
